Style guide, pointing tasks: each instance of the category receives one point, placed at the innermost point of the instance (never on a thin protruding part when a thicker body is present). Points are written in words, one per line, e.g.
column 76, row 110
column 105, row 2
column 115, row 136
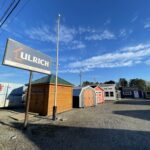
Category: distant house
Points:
column 109, row 91
column 129, row 92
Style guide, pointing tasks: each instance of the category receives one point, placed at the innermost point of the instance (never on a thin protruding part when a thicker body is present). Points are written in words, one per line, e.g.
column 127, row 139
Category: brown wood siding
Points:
column 64, row 99
column 42, row 99
column 39, row 97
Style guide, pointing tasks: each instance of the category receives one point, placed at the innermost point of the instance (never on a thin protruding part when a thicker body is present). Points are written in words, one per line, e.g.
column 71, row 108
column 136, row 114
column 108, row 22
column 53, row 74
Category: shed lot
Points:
column 122, row 125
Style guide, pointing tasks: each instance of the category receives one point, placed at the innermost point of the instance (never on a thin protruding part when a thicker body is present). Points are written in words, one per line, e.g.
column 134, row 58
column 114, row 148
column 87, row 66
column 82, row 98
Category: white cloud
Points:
column 105, row 35
column 125, row 32
column 147, row 24
column 128, row 57
column 77, row 45
column 137, row 47
column 82, row 30
column 134, row 19
column 45, row 34
column 67, row 36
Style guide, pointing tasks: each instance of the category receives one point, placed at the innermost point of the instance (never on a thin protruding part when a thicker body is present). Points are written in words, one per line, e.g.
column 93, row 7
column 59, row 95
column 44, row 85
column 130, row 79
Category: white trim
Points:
column 19, row 65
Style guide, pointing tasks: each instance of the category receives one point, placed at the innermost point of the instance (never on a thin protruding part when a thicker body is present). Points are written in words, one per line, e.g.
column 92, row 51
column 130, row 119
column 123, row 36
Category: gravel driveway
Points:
column 121, row 125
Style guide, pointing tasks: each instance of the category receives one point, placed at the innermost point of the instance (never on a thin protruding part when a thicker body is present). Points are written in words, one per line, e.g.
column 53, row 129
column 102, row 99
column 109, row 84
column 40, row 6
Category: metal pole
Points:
column 56, row 80
column 80, row 78
column 28, row 101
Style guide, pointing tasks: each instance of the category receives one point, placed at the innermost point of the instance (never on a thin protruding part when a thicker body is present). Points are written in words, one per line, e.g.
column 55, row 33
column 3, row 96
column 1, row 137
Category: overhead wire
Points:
column 18, row 12
column 7, row 10
column 9, row 13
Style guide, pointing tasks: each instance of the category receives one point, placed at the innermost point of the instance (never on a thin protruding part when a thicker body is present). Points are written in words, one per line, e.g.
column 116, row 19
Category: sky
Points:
column 103, row 39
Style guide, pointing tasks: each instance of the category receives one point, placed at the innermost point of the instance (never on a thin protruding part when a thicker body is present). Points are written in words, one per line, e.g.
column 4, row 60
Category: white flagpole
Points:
column 56, row 80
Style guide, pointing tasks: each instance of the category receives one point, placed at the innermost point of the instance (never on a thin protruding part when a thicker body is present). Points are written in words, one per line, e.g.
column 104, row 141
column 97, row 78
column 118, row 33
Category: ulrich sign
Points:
column 21, row 56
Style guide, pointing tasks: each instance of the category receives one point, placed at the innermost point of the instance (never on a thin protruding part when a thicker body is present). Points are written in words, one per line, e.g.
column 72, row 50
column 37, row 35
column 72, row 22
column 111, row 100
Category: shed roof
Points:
column 50, row 79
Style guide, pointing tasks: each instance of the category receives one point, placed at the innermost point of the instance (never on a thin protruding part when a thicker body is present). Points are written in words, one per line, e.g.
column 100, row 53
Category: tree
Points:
column 109, row 82
column 138, row 83
column 123, row 82
column 85, row 83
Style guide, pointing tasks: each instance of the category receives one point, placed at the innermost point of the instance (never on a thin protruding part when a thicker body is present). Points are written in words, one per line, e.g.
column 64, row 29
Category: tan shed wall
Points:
column 42, row 99
column 64, row 98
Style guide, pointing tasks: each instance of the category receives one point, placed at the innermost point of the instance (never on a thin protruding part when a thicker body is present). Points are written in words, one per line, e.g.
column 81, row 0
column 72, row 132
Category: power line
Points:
column 16, row 14
column 9, row 13
column 7, row 10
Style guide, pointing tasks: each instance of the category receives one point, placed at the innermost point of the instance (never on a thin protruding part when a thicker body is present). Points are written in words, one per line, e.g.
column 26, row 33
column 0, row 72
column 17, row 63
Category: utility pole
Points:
column 80, row 74
column 56, row 80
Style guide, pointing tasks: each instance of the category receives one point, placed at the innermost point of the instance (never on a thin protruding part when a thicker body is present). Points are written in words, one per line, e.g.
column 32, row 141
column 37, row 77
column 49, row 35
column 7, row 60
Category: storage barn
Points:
column 84, row 97
column 99, row 94
column 11, row 94
column 109, row 90
column 42, row 95
column 129, row 92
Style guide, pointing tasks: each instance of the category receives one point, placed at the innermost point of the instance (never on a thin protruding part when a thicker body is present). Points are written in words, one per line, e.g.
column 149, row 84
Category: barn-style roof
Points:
column 50, row 79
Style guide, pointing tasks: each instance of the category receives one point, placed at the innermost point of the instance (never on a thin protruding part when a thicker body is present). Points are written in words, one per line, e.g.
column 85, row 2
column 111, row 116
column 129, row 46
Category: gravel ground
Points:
column 121, row 125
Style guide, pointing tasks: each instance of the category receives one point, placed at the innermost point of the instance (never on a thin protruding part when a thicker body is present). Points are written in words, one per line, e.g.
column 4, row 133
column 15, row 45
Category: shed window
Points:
column 112, row 94
column 107, row 94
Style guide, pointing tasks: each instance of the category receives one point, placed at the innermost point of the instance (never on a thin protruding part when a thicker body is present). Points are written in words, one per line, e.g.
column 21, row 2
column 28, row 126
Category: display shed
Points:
column 99, row 94
column 42, row 95
column 84, row 97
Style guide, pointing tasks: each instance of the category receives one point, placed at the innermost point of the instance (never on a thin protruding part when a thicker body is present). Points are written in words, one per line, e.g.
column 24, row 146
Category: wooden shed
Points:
column 99, row 94
column 84, row 97
column 42, row 95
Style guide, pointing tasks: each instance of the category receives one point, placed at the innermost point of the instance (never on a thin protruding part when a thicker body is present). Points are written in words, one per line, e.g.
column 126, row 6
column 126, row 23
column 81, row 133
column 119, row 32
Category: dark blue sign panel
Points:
column 21, row 56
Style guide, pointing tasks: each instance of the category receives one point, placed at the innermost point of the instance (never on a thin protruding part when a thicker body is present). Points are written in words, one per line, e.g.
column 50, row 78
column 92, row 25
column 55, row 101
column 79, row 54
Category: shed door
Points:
column 88, row 98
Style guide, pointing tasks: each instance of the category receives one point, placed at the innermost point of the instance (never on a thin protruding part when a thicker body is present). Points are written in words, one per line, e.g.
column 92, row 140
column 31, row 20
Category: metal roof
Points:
column 51, row 80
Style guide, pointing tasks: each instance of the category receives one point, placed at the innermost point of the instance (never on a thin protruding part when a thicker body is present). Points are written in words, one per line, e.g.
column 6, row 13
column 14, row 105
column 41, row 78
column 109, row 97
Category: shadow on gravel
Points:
column 133, row 102
column 54, row 137
column 140, row 114
column 16, row 109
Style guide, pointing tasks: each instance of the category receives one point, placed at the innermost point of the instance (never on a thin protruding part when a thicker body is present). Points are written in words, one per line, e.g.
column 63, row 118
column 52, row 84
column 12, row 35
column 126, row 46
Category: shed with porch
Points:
column 42, row 95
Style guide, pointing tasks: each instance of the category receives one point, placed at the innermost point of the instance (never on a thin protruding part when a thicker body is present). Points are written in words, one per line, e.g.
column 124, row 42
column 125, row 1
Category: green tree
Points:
column 138, row 83
column 123, row 82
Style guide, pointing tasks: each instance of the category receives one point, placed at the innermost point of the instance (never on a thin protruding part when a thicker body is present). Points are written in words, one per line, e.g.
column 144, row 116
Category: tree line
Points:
column 123, row 83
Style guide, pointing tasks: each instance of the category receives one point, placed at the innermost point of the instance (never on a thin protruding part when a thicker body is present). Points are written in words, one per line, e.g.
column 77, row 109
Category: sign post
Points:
column 28, row 101
column 20, row 56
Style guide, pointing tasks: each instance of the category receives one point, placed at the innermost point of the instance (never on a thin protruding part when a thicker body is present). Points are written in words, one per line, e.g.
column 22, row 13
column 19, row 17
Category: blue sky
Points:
column 105, row 39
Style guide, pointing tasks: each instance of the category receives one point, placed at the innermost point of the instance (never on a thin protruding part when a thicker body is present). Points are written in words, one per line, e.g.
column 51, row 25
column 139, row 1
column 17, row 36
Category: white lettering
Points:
column 34, row 59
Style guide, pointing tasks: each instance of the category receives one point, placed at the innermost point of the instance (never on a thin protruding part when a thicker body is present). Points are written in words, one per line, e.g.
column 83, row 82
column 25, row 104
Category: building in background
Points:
column 11, row 94
column 147, row 94
column 109, row 91
column 129, row 92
